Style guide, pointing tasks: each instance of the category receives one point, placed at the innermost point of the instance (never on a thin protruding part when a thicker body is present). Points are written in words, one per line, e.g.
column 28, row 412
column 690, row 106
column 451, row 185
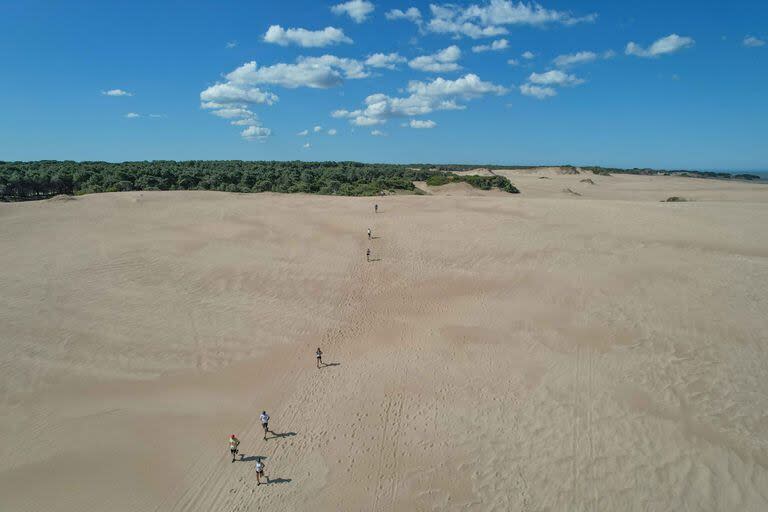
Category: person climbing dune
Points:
column 260, row 472
column 264, row 417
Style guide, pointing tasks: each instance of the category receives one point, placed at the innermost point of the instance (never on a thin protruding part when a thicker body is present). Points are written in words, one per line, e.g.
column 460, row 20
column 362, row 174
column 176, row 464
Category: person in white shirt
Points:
column 265, row 423
column 369, row 233
column 260, row 472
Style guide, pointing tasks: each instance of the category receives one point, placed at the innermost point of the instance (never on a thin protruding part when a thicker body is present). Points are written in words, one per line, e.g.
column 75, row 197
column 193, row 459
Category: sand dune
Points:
column 504, row 352
column 549, row 182
column 456, row 189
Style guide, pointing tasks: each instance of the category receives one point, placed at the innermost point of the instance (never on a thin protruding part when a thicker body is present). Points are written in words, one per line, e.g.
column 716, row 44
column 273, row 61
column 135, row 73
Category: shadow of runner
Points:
column 330, row 364
column 282, row 434
column 251, row 458
column 279, row 480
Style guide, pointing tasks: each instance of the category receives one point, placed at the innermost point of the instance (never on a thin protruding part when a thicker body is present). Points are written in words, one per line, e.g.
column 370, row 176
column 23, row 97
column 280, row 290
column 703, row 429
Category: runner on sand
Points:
column 319, row 356
column 265, row 423
column 367, row 255
column 260, row 472
column 375, row 208
column 234, row 442
column 369, row 233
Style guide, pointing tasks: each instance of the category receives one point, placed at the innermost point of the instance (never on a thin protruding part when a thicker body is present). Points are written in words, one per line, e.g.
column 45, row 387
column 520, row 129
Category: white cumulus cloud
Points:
column 254, row 132
column 495, row 46
column 306, row 145
column 528, row 55
column 378, row 133
column 303, row 133
column 419, row 124
column 132, row 115
column 753, row 42
column 314, row 72
column 491, row 19
column 246, row 121
column 423, row 98
column 242, row 88
column 358, row 10
column 332, row 131
column 444, row 60
column 411, row 14
column 573, row 59
column 116, row 92
column 542, row 85
column 236, row 93
column 537, row 91
column 227, row 112
column 554, row 77
column 305, row 38
column 668, row 44
column 384, row 60
column 317, row 129
column 467, row 87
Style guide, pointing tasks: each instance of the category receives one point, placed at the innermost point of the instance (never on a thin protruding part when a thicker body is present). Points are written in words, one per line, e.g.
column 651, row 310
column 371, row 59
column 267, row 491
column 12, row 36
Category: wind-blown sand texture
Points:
column 536, row 352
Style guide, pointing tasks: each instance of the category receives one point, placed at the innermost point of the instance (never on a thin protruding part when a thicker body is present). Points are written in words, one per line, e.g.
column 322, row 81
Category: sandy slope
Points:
column 457, row 189
column 531, row 352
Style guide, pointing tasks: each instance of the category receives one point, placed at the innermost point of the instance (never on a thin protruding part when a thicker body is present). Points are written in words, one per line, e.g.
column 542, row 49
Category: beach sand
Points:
column 542, row 351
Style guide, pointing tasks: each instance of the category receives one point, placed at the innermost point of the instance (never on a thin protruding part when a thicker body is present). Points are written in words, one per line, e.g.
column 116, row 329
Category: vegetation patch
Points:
column 481, row 182
column 23, row 181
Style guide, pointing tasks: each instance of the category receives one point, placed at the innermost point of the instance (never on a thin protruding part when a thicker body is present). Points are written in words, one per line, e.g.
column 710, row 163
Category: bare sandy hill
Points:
column 552, row 182
column 480, row 171
column 456, row 189
column 510, row 352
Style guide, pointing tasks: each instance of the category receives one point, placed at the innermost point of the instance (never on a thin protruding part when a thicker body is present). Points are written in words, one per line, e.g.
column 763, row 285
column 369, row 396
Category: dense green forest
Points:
column 20, row 181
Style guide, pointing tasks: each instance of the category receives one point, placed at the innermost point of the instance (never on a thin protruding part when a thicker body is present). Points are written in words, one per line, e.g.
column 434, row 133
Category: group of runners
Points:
column 234, row 449
column 370, row 235
column 234, row 442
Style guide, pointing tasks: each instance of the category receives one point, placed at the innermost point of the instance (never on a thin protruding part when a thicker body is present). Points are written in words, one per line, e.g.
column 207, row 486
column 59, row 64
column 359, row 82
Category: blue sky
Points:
column 659, row 84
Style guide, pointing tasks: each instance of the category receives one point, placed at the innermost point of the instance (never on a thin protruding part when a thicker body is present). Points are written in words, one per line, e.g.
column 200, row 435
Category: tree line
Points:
column 21, row 181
